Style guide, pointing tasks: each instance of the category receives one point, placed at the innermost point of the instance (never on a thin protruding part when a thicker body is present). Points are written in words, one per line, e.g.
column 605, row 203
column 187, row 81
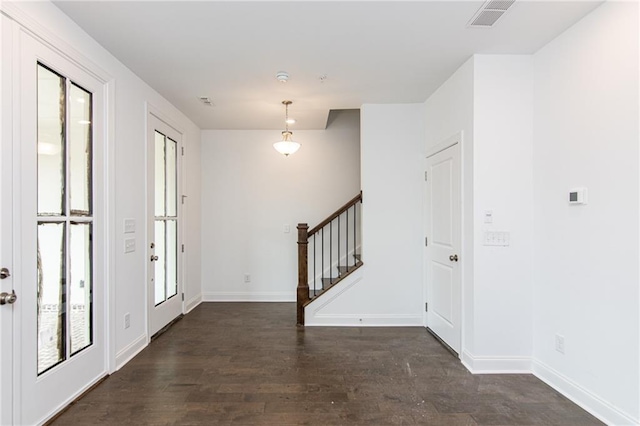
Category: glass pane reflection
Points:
column 51, row 134
column 160, row 293
column 80, row 135
column 80, row 286
column 51, row 295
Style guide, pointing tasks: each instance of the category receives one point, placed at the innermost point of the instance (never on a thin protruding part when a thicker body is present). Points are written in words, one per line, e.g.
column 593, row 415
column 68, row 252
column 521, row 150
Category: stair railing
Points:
column 335, row 252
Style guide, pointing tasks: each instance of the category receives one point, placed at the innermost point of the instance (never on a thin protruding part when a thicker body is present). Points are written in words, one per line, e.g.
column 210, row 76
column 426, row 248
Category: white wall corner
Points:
column 496, row 364
column 131, row 350
column 248, row 296
column 599, row 408
column 192, row 303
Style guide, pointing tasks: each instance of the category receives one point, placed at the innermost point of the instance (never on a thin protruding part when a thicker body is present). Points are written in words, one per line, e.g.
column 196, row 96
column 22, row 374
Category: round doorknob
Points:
column 154, row 258
column 453, row 258
column 8, row 299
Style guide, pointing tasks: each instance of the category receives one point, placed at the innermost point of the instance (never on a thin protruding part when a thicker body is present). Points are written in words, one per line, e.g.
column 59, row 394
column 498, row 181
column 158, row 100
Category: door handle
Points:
column 8, row 299
column 453, row 258
column 154, row 258
column 4, row 273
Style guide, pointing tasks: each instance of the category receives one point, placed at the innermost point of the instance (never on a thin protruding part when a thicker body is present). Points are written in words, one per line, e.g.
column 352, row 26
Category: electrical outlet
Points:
column 127, row 320
column 247, row 278
column 560, row 343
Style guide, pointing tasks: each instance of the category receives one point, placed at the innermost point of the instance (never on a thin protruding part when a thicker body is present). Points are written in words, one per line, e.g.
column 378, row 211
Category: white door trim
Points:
column 444, row 144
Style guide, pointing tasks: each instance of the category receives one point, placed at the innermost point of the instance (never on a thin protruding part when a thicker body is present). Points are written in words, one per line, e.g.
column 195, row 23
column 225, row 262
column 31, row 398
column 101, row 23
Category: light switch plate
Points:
column 129, row 245
column 497, row 238
column 286, row 228
column 129, row 226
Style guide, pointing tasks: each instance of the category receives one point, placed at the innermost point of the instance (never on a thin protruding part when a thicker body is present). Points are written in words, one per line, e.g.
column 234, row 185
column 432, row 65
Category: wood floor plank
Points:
column 248, row 364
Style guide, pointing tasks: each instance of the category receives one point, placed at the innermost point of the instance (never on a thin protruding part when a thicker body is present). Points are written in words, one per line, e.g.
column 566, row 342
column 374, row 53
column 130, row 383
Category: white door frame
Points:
column 446, row 143
column 22, row 23
column 6, row 222
column 153, row 113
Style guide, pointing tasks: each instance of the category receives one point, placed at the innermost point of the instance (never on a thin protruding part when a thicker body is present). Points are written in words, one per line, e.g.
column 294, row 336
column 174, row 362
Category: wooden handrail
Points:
column 335, row 214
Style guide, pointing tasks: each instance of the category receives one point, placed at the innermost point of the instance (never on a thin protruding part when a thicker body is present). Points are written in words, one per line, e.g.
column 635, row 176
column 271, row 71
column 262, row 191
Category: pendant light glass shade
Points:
column 286, row 146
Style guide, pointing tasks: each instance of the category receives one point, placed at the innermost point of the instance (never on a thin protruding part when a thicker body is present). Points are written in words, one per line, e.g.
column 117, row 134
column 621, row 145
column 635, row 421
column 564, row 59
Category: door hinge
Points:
column 183, row 297
column 183, row 248
column 425, row 175
column 426, row 307
column 426, row 241
column 182, row 150
column 183, row 197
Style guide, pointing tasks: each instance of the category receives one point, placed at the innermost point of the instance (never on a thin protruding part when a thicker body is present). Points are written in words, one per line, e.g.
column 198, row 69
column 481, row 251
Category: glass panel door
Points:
column 165, row 302
column 59, row 228
column 166, row 215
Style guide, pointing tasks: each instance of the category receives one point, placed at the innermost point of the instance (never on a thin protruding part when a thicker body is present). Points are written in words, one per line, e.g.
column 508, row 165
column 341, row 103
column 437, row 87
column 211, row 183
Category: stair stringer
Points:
column 314, row 312
column 339, row 307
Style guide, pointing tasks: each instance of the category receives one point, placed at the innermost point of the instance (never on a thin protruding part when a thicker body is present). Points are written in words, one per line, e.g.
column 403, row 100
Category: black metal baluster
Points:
column 314, row 265
column 322, row 272
column 338, row 245
column 330, row 251
column 346, row 245
column 355, row 238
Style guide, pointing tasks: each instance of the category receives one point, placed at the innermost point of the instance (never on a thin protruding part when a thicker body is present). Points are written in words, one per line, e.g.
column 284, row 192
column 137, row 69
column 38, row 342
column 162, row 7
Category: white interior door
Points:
column 443, row 262
column 164, row 230
column 59, row 227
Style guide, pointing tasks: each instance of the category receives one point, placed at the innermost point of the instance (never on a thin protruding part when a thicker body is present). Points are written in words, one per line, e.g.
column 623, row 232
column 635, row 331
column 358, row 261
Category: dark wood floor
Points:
column 246, row 363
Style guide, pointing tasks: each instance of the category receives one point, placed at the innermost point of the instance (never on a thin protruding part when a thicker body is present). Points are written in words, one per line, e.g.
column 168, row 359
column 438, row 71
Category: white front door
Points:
column 164, row 210
column 59, row 232
column 443, row 261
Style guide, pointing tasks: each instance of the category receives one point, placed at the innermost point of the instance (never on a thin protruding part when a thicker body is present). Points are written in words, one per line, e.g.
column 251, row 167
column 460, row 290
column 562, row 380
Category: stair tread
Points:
column 327, row 283
column 343, row 269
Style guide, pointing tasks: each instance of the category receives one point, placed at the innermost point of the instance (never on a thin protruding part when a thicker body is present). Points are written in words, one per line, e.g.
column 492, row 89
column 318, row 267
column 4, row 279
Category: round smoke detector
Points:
column 282, row 76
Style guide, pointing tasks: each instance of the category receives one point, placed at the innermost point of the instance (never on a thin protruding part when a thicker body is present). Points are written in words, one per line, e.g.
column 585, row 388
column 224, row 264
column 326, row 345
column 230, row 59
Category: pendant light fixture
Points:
column 286, row 146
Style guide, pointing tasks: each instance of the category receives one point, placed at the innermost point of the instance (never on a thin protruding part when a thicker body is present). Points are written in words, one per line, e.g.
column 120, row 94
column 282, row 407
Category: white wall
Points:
column 503, row 184
column 448, row 111
column 586, row 257
column 129, row 194
column 250, row 192
column 387, row 290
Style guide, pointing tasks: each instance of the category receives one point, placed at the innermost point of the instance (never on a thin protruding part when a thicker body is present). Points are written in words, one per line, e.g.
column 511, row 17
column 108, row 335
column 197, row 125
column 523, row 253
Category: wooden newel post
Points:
column 303, row 273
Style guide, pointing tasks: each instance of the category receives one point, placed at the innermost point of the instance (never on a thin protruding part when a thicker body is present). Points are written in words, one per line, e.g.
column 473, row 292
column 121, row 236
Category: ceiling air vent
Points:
column 205, row 100
column 489, row 13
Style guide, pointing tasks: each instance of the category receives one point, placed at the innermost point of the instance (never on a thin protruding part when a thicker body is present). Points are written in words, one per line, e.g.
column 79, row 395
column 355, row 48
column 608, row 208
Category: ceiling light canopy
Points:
column 286, row 146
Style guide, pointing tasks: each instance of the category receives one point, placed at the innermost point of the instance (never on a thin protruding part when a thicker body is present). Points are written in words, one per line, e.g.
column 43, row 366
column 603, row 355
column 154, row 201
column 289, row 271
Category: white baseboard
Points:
column 248, row 296
column 192, row 303
column 582, row 397
column 131, row 350
column 72, row 398
column 496, row 364
column 368, row 320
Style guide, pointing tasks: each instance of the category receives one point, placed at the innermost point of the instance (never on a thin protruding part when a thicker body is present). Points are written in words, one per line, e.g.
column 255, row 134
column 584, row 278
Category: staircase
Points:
column 328, row 253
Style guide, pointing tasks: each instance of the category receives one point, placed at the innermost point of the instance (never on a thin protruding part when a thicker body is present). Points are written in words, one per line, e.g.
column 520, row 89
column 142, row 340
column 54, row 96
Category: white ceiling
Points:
column 370, row 51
